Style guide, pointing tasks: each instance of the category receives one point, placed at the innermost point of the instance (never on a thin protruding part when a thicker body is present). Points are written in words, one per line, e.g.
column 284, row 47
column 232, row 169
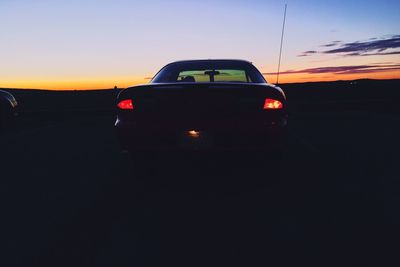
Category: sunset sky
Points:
column 90, row 44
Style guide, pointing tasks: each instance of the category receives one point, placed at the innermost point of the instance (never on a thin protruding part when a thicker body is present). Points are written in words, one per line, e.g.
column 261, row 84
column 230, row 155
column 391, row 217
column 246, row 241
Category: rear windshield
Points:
column 205, row 72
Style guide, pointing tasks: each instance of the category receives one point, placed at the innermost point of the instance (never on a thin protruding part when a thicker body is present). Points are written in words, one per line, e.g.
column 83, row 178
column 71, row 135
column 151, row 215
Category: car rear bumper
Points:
column 270, row 134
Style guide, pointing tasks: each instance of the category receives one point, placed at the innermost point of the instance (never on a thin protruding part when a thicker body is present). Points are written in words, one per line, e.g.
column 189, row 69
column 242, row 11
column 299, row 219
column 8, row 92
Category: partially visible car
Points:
column 8, row 109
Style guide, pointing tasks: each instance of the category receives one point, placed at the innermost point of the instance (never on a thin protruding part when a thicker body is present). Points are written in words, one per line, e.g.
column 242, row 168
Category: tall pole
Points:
column 280, row 51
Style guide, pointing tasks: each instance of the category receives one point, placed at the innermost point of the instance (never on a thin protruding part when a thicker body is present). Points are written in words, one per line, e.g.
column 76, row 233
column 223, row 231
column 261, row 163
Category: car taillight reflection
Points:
column 126, row 104
column 272, row 104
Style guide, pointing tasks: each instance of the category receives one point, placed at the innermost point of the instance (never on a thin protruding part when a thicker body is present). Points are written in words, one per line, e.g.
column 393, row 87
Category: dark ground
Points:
column 69, row 197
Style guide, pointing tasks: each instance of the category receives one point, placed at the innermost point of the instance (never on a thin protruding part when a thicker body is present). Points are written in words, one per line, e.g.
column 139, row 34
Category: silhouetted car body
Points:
column 8, row 108
column 203, row 104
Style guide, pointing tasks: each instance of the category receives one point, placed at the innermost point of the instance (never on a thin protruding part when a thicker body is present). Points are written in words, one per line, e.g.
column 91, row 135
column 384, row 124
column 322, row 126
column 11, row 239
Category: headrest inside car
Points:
column 189, row 79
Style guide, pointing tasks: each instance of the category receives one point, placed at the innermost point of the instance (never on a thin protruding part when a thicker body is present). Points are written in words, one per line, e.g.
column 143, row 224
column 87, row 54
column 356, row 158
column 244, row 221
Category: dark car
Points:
column 8, row 108
column 202, row 105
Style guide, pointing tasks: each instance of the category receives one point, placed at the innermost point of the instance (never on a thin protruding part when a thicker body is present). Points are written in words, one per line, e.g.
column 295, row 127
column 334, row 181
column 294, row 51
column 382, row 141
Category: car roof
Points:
column 211, row 60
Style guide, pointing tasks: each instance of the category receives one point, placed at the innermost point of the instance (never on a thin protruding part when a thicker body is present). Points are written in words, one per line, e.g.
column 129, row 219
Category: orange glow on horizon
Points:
column 123, row 82
column 74, row 84
column 328, row 77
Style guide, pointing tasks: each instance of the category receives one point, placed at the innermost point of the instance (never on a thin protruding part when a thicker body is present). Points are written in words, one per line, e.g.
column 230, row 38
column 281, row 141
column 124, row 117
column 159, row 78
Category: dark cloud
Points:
column 371, row 47
column 334, row 43
column 377, row 46
column 307, row 53
column 371, row 70
column 381, row 54
column 354, row 54
column 344, row 69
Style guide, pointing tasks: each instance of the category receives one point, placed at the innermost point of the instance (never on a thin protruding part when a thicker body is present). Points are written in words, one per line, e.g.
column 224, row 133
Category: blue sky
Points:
column 96, row 44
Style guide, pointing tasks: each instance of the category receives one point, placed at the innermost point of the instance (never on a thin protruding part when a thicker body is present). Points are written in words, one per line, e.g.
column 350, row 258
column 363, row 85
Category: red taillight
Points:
column 272, row 104
column 126, row 104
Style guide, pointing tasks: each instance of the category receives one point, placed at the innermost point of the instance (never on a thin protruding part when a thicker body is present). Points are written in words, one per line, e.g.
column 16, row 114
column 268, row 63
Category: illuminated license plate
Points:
column 194, row 139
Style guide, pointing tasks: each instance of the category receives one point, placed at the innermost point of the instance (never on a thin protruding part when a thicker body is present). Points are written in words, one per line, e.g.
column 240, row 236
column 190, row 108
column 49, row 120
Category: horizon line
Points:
column 121, row 88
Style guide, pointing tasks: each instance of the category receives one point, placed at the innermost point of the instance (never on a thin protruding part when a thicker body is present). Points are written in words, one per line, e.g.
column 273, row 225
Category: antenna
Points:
column 280, row 51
